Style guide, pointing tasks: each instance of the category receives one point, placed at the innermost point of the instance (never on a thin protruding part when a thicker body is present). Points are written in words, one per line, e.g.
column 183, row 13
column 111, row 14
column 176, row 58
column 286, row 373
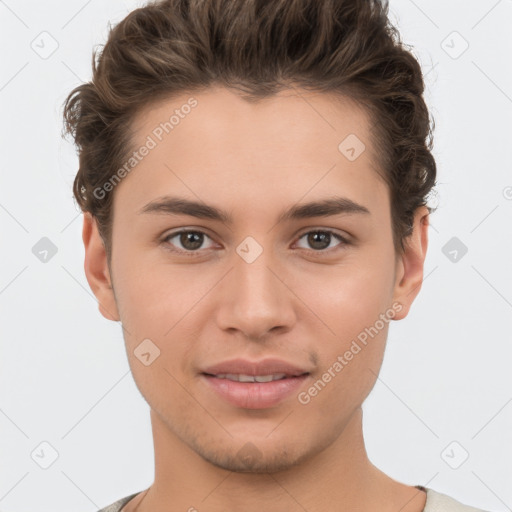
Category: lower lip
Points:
column 255, row 395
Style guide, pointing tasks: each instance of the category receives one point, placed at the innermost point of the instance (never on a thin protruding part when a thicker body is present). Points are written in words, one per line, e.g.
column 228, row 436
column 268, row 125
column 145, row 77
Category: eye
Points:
column 192, row 240
column 321, row 239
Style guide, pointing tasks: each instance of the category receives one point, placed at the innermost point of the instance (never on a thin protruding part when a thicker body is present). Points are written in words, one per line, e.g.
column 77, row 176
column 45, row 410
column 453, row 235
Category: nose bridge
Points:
column 254, row 279
column 254, row 298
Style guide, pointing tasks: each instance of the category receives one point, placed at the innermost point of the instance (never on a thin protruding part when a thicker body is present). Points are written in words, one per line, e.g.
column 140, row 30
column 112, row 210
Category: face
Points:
column 316, row 289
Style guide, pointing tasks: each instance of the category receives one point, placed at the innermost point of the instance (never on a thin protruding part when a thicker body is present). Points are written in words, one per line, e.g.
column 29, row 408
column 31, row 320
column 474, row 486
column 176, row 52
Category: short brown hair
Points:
column 171, row 47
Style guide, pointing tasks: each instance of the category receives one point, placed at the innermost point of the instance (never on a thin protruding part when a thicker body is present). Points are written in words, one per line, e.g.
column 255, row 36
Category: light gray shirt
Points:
column 436, row 502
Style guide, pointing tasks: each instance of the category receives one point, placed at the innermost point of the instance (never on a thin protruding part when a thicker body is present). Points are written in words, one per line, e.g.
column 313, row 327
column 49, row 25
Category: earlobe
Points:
column 96, row 269
column 409, row 274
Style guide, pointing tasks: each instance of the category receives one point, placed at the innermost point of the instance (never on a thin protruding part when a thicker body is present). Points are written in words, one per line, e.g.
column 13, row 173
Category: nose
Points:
column 254, row 298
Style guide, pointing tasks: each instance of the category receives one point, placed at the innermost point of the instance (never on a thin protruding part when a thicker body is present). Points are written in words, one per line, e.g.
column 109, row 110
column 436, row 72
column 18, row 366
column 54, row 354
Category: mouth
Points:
column 254, row 378
column 250, row 384
column 245, row 370
column 254, row 391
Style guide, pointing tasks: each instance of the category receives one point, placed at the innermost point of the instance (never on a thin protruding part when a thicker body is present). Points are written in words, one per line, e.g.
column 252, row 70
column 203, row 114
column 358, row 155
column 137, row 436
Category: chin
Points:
column 250, row 460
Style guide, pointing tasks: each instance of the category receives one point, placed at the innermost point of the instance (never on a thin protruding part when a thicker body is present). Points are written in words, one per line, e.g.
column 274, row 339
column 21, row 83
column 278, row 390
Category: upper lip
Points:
column 253, row 368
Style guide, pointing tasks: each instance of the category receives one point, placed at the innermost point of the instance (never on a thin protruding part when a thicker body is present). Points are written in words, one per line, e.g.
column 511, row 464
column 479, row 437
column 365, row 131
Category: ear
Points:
column 409, row 269
column 96, row 269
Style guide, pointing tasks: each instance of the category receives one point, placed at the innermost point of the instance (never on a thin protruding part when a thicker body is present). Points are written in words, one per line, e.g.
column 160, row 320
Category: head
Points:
column 253, row 109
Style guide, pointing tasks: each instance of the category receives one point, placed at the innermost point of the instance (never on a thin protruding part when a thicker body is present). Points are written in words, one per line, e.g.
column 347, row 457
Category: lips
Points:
column 239, row 377
column 254, row 385
column 255, row 368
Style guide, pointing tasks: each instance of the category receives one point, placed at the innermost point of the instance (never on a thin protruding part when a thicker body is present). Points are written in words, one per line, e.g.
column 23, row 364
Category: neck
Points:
column 340, row 477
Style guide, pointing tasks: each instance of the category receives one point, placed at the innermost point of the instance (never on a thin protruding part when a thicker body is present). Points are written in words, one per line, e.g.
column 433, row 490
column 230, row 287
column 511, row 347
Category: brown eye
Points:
column 320, row 240
column 190, row 240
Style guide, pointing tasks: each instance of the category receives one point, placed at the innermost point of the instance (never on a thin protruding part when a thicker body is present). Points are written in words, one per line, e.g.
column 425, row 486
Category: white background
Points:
column 64, row 376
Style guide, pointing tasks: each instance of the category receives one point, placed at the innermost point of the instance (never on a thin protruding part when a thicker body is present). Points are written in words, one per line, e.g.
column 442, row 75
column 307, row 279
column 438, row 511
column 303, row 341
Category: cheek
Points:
column 353, row 302
column 351, row 296
column 348, row 369
column 154, row 298
column 161, row 304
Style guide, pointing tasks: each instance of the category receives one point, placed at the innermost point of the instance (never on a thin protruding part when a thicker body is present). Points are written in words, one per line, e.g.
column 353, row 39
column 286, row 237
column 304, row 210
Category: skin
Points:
column 298, row 301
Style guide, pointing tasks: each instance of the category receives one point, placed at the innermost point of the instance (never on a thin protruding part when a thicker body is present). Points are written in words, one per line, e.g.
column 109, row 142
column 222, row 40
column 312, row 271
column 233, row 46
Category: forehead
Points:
column 304, row 141
column 292, row 116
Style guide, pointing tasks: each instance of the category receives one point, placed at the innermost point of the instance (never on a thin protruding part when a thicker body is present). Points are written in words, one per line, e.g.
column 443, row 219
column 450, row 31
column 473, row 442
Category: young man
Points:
column 253, row 176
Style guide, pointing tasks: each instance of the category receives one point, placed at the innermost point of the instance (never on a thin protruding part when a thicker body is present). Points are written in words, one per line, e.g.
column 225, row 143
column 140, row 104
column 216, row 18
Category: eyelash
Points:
column 189, row 253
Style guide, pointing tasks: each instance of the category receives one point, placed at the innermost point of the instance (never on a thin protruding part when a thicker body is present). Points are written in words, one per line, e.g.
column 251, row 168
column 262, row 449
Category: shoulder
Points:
column 438, row 502
column 119, row 504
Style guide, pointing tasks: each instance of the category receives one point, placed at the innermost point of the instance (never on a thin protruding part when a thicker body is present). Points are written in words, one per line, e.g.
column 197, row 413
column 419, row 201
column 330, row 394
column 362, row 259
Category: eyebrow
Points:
column 322, row 208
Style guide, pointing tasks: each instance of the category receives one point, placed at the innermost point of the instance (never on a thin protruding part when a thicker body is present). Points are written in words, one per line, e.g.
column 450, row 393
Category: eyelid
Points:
column 345, row 236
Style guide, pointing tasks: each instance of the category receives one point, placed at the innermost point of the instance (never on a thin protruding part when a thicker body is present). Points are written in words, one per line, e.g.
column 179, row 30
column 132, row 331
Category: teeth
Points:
column 250, row 378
